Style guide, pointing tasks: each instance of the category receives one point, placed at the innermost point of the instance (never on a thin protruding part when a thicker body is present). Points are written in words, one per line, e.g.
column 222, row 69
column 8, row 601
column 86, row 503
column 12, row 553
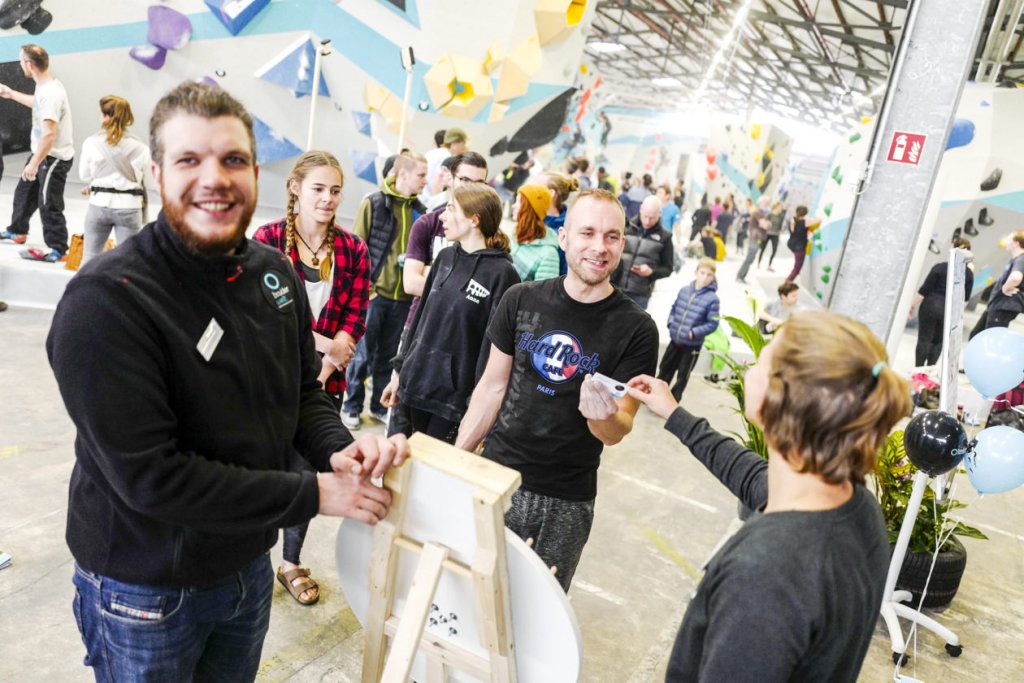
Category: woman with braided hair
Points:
column 335, row 268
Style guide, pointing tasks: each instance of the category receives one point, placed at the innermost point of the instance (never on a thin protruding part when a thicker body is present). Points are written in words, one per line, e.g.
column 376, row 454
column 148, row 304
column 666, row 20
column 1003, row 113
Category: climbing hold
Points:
column 825, row 278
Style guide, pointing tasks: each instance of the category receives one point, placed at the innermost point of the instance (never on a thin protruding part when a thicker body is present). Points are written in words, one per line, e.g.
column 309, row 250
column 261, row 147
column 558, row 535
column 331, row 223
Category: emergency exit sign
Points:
column 906, row 148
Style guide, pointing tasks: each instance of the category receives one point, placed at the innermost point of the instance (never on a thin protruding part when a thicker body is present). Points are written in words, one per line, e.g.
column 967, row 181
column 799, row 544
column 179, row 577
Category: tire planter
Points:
column 949, row 569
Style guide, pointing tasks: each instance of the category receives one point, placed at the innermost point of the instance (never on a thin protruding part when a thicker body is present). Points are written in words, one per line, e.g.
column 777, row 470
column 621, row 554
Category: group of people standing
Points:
column 205, row 373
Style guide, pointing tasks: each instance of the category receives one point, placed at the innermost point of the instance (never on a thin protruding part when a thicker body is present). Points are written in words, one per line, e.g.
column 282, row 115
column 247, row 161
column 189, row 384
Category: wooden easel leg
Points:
column 436, row 672
column 383, row 565
column 414, row 617
column 490, row 578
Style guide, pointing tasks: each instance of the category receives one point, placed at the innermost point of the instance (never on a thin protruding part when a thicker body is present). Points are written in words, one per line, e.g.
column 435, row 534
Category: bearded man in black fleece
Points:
column 186, row 362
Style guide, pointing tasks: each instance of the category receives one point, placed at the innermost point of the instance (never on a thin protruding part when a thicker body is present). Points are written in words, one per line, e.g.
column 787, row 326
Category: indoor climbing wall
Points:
column 979, row 189
column 742, row 159
column 508, row 80
column 833, row 205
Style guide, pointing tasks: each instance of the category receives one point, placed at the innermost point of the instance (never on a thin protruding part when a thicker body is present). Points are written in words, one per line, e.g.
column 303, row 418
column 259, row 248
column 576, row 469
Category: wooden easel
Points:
column 493, row 486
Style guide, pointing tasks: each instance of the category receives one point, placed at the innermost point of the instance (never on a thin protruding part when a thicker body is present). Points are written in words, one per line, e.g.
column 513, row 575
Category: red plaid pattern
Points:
column 350, row 294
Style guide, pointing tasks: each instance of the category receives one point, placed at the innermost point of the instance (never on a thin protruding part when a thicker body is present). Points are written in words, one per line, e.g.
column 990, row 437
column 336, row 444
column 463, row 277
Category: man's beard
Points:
column 174, row 212
column 580, row 271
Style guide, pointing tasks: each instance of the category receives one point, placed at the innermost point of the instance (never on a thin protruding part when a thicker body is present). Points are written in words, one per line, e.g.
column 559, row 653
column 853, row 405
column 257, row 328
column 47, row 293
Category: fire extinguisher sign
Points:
column 906, row 148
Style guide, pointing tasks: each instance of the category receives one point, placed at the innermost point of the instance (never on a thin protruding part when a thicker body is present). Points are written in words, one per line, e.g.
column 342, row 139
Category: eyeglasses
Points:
column 464, row 179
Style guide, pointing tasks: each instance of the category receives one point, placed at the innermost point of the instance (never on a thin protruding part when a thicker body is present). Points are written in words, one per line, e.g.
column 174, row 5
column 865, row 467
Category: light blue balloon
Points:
column 994, row 361
column 997, row 462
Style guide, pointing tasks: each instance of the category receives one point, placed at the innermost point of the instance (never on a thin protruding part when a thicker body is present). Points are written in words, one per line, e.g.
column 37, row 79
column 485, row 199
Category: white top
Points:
column 94, row 169
column 435, row 158
column 50, row 103
column 318, row 293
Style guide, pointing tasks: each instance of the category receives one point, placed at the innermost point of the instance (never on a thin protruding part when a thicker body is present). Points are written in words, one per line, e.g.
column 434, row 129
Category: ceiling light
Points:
column 667, row 82
column 605, row 47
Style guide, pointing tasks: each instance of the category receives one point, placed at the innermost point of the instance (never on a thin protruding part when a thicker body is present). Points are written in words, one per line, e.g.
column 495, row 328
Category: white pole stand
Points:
column 892, row 599
column 321, row 52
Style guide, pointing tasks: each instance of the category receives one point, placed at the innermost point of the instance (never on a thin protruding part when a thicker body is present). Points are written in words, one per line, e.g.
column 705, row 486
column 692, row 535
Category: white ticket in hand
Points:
column 618, row 389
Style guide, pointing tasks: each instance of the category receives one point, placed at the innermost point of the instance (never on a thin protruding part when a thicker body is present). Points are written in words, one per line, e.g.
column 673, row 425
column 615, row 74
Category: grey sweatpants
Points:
column 559, row 529
column 99, row 221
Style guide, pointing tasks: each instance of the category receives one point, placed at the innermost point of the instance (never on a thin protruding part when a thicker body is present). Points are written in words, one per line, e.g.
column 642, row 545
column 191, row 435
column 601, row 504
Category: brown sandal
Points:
column 297, row 588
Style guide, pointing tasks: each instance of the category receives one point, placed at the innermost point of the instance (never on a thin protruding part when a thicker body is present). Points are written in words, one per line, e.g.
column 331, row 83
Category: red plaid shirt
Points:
column 345, row 310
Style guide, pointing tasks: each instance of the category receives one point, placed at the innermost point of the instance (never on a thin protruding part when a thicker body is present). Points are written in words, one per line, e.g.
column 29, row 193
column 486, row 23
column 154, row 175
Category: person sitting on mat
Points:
column 797, row 589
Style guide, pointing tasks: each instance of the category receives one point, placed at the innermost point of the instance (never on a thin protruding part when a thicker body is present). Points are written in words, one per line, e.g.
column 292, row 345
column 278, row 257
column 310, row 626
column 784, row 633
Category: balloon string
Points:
column 940, row 540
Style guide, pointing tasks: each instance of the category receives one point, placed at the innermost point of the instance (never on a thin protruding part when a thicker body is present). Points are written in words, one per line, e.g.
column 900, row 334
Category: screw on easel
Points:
column 452, row 616
column 433, row 621
column 452, row 631
column 434, row 607
column 444, row 620
column 529, row 543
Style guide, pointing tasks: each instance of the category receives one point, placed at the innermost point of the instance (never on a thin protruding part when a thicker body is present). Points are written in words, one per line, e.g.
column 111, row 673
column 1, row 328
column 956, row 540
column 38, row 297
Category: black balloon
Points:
column 935, row 442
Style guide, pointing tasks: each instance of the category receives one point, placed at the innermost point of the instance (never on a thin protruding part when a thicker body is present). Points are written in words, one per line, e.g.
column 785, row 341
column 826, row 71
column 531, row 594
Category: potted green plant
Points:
column 894, row 481
column 752, row 436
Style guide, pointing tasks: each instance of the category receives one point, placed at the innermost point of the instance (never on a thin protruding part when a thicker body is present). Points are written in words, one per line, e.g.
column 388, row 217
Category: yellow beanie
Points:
column 539, row 198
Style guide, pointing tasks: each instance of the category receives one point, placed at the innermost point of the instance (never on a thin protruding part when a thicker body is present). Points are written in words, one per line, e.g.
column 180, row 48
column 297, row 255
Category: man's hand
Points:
column 1010, row 290
column 5, row 92
column 370, row 456
column 29, row 173
column 340, row 352
column 349, row 495
column 596, row 402
column 643, row 270
column 653, row 393
column 389, row 397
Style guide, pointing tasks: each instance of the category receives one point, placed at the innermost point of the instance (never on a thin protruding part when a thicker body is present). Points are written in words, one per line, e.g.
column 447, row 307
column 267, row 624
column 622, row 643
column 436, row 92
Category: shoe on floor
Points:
column 3, row 306
column 380, row 416
column 33, row 254
column 8, row 236
column 351, row 421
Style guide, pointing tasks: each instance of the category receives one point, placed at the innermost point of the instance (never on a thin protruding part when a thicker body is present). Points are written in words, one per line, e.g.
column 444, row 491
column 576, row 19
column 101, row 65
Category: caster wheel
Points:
column 954, row 650
column 900, row 658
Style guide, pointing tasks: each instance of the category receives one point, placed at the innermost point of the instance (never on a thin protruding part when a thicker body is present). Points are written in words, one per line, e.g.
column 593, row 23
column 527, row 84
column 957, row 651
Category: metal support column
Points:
column 935, row 56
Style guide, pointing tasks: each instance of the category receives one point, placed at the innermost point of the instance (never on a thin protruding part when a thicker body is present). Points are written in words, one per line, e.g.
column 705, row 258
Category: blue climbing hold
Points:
column 961, row 134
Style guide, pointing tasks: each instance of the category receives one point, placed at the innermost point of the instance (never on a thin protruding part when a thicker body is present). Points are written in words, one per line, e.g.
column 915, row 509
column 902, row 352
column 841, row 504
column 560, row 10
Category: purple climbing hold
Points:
column 168, row 28
column 149, row 55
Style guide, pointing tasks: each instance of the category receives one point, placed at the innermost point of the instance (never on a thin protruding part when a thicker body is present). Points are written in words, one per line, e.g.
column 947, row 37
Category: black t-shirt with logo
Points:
column 555, row 341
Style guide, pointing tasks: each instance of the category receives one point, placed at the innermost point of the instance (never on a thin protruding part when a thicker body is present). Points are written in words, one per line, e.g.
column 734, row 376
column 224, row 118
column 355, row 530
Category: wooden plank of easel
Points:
column 467, row 466
column 436, row 670
column 448, row 653
column 414, row 617
column 454, row 566
column 490, row 578
column 383, row 565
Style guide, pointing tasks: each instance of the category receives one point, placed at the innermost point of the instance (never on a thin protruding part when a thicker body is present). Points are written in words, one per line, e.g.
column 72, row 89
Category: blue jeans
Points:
column 385, row 320
column 149, row 633
column 638, row 299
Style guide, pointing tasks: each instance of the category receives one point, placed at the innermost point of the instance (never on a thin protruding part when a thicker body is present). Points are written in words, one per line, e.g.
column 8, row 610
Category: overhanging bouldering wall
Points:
column 505, row 95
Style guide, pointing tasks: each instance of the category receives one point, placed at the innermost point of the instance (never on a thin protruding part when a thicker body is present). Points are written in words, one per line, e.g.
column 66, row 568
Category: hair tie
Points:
column 877, row 369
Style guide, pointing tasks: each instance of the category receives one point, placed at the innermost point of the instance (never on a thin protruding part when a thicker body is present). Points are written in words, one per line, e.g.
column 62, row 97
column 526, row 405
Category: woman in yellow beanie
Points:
column 535, row 252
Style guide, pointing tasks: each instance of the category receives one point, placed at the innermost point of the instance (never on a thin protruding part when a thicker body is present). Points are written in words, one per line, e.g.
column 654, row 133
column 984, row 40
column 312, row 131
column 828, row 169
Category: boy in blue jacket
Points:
column 694, row 316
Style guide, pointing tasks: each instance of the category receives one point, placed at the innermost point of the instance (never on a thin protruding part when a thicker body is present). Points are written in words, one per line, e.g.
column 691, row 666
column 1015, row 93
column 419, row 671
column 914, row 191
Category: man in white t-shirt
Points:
column 42, row 180
column 453, row 143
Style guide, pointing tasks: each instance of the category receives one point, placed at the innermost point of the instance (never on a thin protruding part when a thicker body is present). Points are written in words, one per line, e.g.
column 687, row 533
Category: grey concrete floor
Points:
column 659, row 516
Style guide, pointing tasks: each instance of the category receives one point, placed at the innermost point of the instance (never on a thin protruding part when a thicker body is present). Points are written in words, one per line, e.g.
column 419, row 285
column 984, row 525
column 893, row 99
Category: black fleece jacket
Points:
column 449, row 347
column 183, row 465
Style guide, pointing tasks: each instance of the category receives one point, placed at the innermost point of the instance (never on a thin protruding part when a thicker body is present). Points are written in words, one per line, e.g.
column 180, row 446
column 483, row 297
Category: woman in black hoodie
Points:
column 448, row 342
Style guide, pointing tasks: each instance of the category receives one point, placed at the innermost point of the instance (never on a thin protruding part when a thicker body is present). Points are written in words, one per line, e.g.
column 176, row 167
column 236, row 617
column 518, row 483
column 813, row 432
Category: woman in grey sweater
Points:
column 794, row 595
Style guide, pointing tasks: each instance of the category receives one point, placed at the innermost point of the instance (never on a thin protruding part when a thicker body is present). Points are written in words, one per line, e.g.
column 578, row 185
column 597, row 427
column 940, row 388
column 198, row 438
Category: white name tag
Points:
column 211, row 337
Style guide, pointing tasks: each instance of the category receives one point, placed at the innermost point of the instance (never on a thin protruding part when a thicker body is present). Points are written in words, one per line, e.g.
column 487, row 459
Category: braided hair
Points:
column 306, row 163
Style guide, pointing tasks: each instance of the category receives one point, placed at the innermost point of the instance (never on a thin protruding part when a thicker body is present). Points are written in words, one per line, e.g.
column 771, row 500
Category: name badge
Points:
column 211, row 337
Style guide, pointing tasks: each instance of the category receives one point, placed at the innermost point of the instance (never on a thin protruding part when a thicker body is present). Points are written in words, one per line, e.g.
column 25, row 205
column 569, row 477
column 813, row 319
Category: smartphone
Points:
column 618, row 389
